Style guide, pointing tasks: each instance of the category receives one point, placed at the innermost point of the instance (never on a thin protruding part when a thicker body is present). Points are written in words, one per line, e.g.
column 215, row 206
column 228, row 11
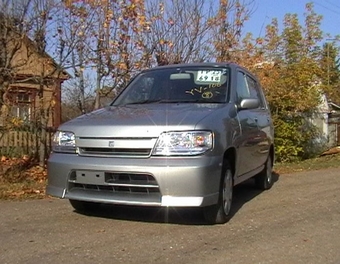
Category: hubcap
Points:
column 227, row 192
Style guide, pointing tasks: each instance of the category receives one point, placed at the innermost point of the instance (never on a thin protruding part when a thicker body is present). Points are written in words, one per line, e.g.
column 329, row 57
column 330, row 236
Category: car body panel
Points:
column 149, row 119
column 173, row 176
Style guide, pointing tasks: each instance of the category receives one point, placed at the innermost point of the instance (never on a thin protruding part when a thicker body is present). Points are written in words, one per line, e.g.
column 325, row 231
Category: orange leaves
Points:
column 166, row 42
column 224, row 3
column 21, row 178
column 122, row 66
column 142, row 20
column 228, row 24
column 16, row 122
column 259, row 41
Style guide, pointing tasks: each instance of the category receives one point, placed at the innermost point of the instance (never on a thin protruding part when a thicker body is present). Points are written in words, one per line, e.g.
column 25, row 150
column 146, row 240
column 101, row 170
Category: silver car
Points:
column 177, row 136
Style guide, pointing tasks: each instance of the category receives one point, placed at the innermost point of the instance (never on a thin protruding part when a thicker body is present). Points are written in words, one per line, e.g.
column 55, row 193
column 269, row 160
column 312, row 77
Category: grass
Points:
column 22, row 190
column 21, row 180
column 323, row 162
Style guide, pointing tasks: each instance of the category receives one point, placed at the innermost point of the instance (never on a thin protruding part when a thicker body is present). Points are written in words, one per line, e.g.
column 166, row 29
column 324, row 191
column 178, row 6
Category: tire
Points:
column 83, row 206
column 264, row 180
column 220, row 212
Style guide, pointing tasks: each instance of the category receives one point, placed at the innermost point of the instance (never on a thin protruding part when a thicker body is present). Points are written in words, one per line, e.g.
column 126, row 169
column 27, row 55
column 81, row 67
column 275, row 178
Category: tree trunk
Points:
column 98, row 86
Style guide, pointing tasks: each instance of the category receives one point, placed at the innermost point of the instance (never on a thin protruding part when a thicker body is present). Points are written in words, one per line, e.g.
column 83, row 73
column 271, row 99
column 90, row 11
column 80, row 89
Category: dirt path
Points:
column 297, row 221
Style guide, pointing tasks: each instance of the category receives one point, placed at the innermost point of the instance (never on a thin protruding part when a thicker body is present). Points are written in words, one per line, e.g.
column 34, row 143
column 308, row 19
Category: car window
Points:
column 254, row 90
column 242, row 89
column 189, row 84
column 140, row 92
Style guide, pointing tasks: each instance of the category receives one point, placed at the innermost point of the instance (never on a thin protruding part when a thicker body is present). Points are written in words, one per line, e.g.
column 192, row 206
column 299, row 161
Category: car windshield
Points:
column 177, row 85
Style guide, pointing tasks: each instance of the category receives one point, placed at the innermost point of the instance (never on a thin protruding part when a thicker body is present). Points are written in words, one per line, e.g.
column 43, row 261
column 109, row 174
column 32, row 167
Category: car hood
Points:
column 139, row 121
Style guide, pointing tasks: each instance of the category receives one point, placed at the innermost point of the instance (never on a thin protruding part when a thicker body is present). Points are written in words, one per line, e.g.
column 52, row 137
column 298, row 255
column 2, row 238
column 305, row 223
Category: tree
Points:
column 120, row 38
column 179, row 31
column 228, row 24
column 330, row 75
column 112, row 32
column 24, row 27
column 74, row 27
column 76, row 101
column 287, row 63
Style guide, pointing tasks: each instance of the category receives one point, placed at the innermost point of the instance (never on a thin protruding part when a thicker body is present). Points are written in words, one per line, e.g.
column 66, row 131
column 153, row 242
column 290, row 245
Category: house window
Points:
column 22, row 104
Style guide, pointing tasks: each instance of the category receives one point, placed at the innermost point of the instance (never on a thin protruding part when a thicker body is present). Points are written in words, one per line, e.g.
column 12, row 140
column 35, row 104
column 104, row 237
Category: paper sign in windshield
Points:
column 209, row 76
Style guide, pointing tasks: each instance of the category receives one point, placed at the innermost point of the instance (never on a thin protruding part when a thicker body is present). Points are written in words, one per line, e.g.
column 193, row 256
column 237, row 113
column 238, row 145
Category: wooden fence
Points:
column 19, row 143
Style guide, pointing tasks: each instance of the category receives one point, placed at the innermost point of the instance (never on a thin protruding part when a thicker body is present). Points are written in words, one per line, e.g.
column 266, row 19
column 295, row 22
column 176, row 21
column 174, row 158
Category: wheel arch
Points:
column 230, row 156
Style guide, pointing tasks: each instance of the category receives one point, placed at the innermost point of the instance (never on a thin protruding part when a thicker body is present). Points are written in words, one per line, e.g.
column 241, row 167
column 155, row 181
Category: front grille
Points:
column 130, row 178
column 137, row 183
column 114, row 189
column 115, row 147
column 142, row 152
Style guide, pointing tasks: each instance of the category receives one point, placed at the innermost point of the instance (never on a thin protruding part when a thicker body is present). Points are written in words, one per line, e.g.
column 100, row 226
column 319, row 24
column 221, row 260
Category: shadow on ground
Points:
column 243, row 193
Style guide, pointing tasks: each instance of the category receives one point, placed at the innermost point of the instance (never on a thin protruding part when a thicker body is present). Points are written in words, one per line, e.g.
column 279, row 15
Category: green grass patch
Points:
column 323, row 162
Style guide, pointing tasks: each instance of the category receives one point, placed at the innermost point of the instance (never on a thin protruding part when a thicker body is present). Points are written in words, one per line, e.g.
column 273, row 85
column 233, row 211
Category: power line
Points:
column 332, row 10
column 329, row 2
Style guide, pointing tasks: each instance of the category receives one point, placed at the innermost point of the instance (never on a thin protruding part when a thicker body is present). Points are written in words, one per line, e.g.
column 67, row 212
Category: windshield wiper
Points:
column 146, row 102
column 200, row 101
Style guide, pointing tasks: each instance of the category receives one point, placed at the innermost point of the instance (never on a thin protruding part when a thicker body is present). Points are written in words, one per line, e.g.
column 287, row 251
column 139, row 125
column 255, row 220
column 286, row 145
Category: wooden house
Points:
column 33, row 91
column 37, row 79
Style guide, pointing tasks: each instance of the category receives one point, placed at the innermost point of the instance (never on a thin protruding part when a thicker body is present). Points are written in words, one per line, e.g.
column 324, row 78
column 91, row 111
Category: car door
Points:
column 263, row 120
column 248, row 158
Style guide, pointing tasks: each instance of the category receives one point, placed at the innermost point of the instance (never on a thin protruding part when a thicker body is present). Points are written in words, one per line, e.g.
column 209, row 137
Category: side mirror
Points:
column 249, row 103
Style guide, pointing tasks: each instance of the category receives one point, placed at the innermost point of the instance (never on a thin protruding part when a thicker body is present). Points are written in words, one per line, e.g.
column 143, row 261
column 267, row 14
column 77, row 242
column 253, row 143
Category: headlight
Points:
column 64, row 141
column 183, row 143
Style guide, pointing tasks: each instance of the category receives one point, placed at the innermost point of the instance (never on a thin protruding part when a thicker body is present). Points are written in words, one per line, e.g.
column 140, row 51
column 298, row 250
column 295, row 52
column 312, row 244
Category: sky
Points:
column 265, row 10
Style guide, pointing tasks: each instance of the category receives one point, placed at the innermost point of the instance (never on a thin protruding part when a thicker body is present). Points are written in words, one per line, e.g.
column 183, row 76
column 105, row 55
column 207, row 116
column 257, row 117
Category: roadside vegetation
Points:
column 21, row 178
column 102, row 44
column 316, row 163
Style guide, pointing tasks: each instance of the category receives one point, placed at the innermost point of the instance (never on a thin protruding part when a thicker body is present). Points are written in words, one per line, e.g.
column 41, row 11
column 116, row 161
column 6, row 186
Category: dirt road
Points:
column 297, row 221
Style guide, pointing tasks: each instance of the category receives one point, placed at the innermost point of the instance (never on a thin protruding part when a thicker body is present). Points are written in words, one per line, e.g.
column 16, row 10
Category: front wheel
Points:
column 220, row 212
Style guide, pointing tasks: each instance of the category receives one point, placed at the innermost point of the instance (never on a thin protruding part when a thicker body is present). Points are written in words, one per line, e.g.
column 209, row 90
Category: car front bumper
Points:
column 176, row 181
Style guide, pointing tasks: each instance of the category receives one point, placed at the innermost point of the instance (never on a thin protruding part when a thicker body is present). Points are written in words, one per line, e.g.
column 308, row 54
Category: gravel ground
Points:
column 297, row 221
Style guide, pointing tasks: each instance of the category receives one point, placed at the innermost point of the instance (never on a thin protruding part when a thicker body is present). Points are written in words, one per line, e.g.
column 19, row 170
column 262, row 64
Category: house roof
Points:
column 64, row 75
column 29, row 68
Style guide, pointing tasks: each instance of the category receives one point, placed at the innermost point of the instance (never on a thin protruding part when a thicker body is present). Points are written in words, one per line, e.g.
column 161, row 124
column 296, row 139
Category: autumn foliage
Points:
column 288, row 62
column 21, row 178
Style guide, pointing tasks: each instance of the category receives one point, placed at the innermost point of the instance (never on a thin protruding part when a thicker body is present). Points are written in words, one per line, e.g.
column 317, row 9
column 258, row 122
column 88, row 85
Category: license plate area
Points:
column 90, row 177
